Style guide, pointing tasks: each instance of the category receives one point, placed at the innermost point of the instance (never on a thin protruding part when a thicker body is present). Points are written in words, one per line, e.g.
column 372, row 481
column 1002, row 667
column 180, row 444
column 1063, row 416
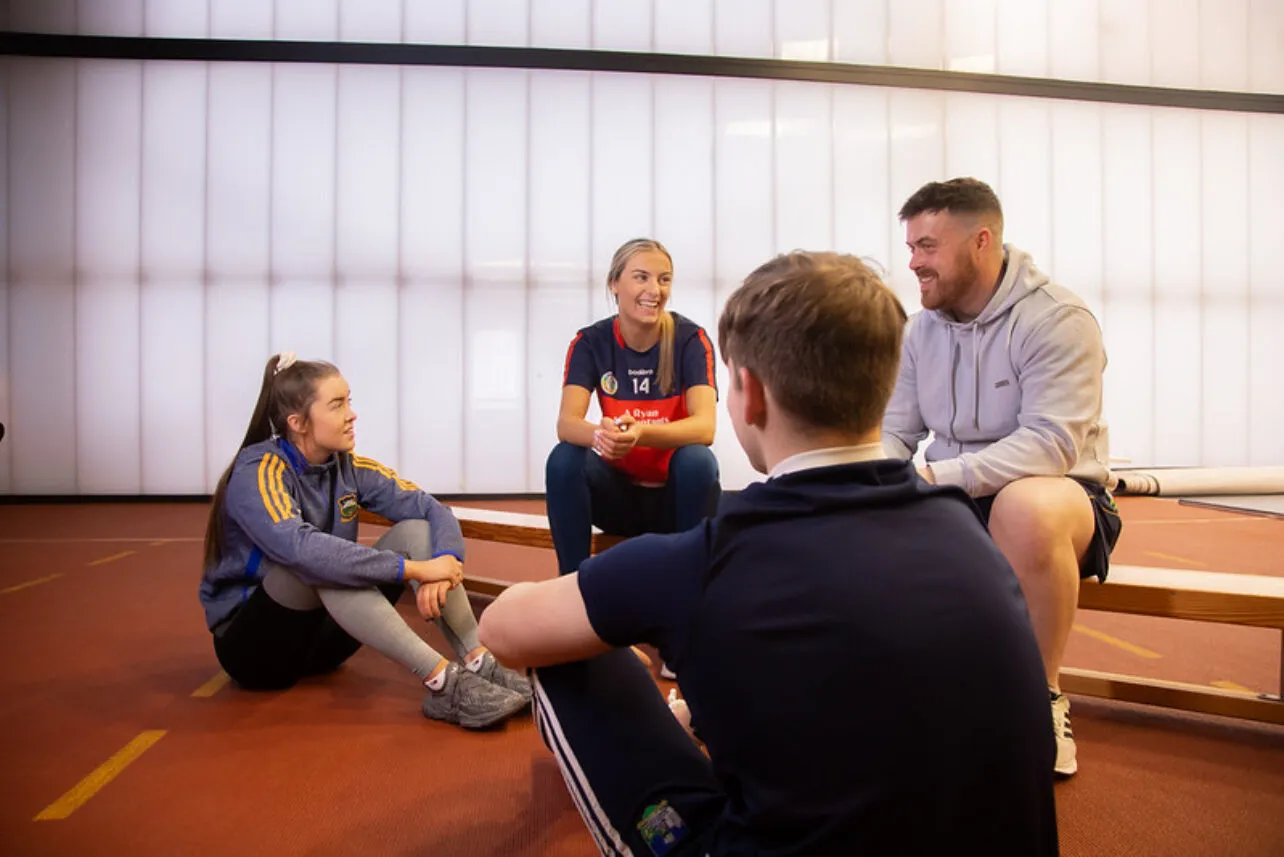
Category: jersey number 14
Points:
column 641, row 385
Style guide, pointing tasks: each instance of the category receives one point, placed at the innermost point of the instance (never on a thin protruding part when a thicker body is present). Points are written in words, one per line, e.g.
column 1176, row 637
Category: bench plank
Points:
column 1203, row 596
column 1172, row 694
column 511, row 528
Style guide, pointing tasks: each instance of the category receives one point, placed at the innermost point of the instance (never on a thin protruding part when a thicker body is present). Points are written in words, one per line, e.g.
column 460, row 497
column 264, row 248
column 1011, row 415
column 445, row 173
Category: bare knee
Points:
column 1039, row 520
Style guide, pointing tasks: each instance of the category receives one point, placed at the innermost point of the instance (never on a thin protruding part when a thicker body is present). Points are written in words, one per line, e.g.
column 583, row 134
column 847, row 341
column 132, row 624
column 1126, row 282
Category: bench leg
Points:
column 1278, row 697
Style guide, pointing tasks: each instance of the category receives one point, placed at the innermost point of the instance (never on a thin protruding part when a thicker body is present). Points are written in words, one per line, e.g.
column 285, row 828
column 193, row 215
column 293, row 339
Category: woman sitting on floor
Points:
column 288, row 591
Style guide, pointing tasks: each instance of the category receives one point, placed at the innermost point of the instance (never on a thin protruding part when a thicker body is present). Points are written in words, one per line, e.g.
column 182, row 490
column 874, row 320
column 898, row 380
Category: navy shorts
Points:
column 1096, row 562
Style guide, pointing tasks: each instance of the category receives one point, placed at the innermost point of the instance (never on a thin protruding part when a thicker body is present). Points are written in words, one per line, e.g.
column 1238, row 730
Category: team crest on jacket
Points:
column 348, row 507
column 609, row 386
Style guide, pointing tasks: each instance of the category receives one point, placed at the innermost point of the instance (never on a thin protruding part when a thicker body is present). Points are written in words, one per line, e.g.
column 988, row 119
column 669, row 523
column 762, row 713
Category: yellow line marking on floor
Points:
column 30, row 583
column 1230, row 685
column 112, row 558
column 213, row 686
column 1116, row 642
column 1174, row 558
column 104, row 774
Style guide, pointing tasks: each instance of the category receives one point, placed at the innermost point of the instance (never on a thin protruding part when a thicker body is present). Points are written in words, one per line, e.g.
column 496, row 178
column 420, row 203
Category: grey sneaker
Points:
column 470, row 700
column 496, row 673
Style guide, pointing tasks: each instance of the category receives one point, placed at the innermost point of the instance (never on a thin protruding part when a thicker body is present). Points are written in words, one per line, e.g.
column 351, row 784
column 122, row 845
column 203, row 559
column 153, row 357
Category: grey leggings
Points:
column 289, row 629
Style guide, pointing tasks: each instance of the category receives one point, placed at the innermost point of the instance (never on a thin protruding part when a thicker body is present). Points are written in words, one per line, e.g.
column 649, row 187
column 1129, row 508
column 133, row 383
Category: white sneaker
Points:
column 1066, row 763
column 667, row 673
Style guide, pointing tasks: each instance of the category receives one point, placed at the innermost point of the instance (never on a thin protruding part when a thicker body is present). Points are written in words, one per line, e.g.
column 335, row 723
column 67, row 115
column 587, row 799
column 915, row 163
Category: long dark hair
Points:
column 290, row 390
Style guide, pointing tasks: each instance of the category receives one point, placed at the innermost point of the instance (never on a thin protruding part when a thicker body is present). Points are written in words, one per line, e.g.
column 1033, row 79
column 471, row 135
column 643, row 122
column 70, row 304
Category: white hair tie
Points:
column 284, row 360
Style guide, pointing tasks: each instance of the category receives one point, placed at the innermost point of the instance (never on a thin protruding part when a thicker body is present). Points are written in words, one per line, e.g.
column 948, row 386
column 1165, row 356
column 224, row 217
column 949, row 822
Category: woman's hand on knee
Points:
column 443, row 569
column 431, row 598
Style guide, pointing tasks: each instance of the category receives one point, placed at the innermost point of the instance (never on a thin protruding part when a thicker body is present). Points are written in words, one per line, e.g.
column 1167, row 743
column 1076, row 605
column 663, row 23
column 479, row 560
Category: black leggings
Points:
column 266, row 646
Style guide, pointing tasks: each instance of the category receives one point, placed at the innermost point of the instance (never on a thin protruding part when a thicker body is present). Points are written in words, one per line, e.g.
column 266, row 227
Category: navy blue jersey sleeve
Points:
column 698, row 362
column 383, row 492
column 581, row 369
column 640, row 589
column 258, row 501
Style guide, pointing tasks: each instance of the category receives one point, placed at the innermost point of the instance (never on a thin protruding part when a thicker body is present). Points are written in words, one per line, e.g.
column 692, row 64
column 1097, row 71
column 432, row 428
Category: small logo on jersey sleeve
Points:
column 609, row 384
column 348, row 507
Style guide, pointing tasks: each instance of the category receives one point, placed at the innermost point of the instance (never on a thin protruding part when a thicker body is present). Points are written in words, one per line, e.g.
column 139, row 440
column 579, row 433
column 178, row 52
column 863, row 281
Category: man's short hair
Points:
column 966, row 196
column 823, row 332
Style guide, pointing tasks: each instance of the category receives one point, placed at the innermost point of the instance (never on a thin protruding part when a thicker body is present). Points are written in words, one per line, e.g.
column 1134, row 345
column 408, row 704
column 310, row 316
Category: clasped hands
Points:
column 615, row 438
column 436, row 577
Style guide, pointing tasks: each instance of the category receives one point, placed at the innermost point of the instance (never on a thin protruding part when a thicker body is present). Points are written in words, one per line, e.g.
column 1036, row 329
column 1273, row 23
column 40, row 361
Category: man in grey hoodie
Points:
column 1004, row 368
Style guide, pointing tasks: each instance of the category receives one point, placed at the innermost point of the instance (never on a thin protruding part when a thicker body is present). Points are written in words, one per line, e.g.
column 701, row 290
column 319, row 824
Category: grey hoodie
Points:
column 1015, row 392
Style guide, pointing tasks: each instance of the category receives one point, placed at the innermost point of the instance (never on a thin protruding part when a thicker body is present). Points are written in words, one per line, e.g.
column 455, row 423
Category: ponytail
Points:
column 288, row 387
column 665, row 374
column 259, row 429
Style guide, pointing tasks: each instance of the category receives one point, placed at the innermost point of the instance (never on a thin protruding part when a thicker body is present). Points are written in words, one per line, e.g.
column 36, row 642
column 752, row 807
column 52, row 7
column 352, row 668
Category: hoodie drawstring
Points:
column 954, row 387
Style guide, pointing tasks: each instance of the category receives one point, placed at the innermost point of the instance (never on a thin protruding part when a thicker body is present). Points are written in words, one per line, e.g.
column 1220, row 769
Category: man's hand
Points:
column 926, row 472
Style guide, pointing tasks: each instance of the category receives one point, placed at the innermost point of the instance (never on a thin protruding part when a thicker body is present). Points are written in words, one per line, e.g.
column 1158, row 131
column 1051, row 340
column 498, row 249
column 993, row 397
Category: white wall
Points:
column 440, row 233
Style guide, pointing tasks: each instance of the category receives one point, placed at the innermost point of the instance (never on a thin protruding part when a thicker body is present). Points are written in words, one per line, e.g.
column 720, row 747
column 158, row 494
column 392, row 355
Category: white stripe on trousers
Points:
column 595, row 818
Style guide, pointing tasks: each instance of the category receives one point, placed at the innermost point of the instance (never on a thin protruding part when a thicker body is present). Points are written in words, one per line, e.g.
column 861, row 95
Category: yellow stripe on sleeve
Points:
column 269, row 502
column 382, row 470
column 283, row 502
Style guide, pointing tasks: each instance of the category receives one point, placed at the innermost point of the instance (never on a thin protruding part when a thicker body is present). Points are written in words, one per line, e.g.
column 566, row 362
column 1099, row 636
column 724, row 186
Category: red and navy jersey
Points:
column 627, row 381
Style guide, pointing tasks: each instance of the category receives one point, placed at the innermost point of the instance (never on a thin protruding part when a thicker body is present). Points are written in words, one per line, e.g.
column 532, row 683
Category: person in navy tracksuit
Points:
column 854, row 649
column 647, row 466
column 288, row 590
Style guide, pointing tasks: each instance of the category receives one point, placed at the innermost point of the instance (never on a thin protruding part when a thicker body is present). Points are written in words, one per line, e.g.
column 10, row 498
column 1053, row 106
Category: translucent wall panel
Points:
column 367, row 206
column 684, row 191
column 860, row 32
column 108, row 183
column 43, row 16
column 1128, row 284
column 970, row 36
column 436, row 21
column 239, row 19
column 431, row 327
column 370, row 20
column 187, row 19
column 306, row 20
column 172, row 282
column 623, row 25
column 681, row 26
column 743, row 28
column 498, row 22
column 496, row 448
column 42, row 292
column 803, row 30
column 562, row 273
column 1224, row 45
column 1224, row 310
column 1176, row 302
column 441, row 234
column 238, row 246
column 110, row 17
column 561, row 23
column 1266, row 346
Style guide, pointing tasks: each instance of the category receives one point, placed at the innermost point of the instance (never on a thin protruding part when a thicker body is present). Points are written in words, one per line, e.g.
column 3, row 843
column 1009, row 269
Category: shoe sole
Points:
column 496, row 718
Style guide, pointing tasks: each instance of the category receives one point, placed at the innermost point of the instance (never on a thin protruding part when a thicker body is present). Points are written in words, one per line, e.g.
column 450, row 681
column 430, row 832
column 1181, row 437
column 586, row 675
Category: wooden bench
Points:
column 1203, row 596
